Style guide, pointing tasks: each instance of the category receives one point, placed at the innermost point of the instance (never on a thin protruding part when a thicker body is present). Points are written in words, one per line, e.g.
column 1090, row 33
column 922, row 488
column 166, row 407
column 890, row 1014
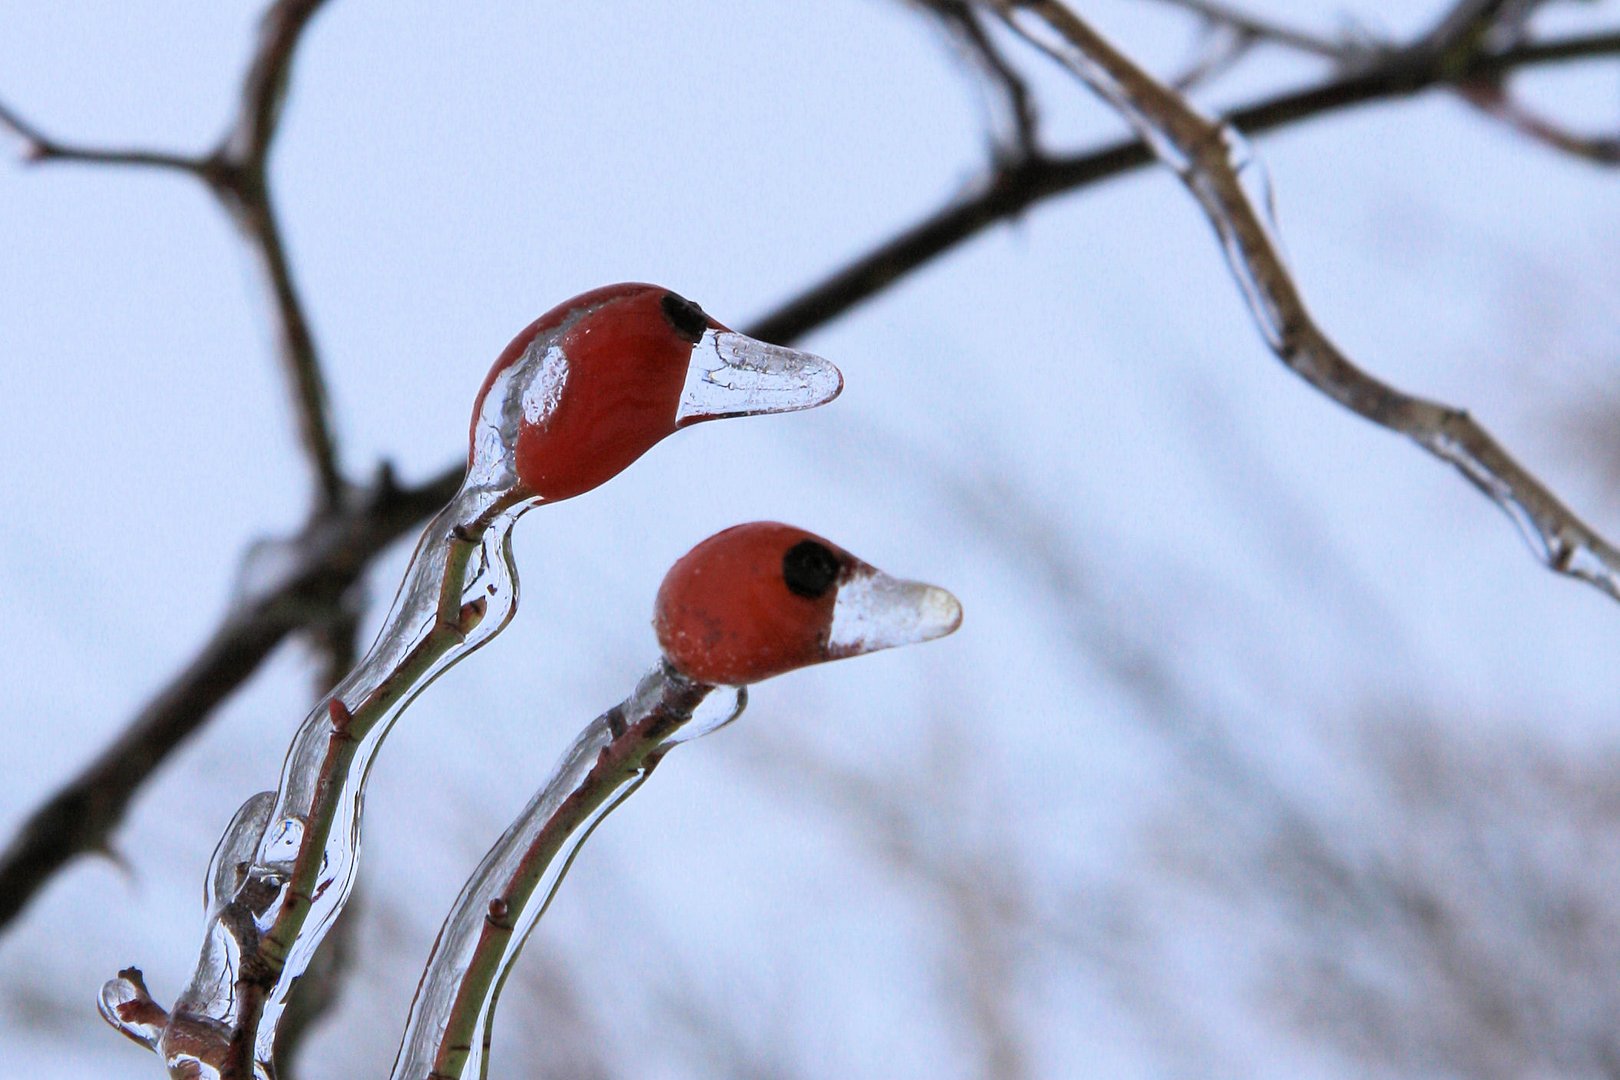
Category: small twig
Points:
column 237, row 174
column 1493, row 99
column 1010, row 191
column 1252, row 28
column 962, row 22
column 41, row 148
column 1203, row 152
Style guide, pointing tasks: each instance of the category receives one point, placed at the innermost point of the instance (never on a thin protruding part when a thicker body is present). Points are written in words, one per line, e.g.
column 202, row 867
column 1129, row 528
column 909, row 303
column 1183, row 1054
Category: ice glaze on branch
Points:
column 1206, row 155
column 748, row 603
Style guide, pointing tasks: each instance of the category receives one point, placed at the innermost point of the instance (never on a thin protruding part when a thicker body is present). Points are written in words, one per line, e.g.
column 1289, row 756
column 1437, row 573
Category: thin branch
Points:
column 264, row 90
column 237, row 173
column 1010, row 191
column 81, row 816
column 1253, row 28
column 1207, row 156
column 964, row 25
column 1492, row 98
column 330, row 558
column 41, row 148
column 239, row 176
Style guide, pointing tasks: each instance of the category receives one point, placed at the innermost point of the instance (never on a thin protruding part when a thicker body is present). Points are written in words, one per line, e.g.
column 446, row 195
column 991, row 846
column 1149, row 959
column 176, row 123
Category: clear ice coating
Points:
column 451, row 1018
column 125, row 1005
column 286, row 865
column 732, row 374
column 875, row 611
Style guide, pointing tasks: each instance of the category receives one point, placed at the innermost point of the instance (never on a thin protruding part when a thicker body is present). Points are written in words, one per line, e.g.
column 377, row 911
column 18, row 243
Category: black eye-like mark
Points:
column 809, row 569
column 686, row 317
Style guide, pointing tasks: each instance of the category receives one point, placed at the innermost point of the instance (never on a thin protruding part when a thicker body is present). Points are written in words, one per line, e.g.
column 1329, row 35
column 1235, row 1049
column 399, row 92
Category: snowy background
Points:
column 1265, row 749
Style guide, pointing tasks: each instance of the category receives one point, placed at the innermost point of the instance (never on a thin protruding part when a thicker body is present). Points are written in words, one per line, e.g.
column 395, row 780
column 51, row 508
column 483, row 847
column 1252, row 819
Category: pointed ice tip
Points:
column 732, row 374
column 875, row 611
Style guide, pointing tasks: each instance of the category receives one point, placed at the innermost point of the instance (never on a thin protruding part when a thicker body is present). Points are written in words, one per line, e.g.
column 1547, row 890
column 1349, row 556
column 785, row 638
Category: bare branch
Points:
column 333, row 552
column 962, row 22
column 1205, row 154
column 1491, row 97
column 265, row 87
column 1251, row 28
column 1011, row 190
column 39, row 147
column 237, row 174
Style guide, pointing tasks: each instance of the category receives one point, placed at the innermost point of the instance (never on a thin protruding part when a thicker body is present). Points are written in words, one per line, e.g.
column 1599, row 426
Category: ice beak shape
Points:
column 732, row 374
column 875, row 611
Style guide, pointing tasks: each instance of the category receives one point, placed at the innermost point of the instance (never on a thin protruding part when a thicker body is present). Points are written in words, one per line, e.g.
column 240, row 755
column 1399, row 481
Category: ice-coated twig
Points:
column 451, row 1018
column 748, row 603
column 1208, row 156
column 327, row 559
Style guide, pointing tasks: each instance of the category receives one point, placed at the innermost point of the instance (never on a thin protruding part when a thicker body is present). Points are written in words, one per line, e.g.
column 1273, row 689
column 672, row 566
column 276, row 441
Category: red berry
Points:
column 750, row 602
column 614, row 361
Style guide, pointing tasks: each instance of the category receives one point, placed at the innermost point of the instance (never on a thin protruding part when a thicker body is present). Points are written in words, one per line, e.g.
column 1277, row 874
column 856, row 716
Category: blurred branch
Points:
column 964, row 24
column 1492, row 98
column 1250, row 28
column 1009, row 191
column 329, row 558
column 236, row 172
column 80, row 816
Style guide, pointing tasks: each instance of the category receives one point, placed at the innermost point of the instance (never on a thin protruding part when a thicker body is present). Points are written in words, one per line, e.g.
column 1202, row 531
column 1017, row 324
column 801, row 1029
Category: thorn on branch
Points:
column 341, row 717
column 472, row 613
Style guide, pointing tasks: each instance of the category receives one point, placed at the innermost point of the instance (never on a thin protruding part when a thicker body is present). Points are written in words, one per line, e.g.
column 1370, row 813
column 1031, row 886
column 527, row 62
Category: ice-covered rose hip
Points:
column 592, row 384
column 760, row 599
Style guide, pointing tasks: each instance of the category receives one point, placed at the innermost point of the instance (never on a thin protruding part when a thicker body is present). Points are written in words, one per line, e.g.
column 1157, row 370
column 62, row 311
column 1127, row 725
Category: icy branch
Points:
column 1209, row 157
column 451, row 1021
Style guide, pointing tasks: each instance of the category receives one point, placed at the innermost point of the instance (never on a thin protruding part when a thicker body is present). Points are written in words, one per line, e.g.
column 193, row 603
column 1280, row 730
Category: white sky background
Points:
column 1069, row 421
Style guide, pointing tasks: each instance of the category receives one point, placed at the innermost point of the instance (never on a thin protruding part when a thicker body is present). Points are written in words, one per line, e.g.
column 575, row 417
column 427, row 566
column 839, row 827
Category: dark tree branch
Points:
column 39, row 147
column 238, row 175
column 81, row 816
column 964, row 25
column 1492, row 98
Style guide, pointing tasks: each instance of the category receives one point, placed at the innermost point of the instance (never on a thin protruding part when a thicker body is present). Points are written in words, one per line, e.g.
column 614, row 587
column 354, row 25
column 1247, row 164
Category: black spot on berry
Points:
column 686, row 317
column 809, row 568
